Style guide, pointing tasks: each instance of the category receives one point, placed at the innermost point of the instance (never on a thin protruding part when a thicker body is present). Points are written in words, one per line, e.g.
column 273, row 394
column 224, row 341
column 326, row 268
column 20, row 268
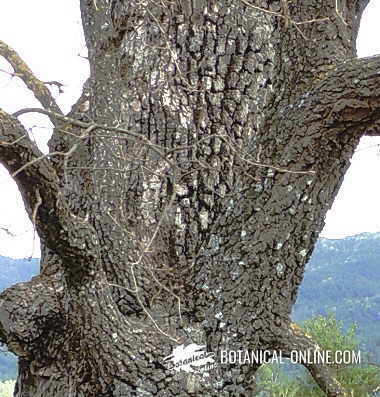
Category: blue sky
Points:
column 47, row 34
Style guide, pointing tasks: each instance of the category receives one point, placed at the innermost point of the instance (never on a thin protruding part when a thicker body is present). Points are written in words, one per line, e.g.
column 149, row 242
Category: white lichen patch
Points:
column 178, row 219
column 219, row 315
column 203, row 217
column 181, row 190
column 186, row 118
column 303, row 252
column 234, row 275
column 280, row 269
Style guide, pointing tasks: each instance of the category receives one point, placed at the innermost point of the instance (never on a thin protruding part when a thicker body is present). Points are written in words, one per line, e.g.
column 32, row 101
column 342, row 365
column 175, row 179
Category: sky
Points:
column 48, row 36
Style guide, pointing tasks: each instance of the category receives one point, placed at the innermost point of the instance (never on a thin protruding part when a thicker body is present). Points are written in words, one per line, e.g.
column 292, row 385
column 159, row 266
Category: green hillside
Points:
column 343, row 277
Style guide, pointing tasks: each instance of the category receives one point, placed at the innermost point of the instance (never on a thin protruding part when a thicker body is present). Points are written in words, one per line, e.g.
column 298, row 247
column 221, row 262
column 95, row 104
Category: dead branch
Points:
column 53, row 209
column 38, row 87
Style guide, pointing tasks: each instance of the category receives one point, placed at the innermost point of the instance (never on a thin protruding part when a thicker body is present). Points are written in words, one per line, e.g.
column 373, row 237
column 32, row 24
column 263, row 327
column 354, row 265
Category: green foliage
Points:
column 329, row 333
column 343, row 276
column 273, row 382
column 358, row 379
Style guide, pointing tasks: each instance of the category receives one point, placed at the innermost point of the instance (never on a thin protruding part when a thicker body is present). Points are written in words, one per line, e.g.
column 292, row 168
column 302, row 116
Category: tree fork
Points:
column 258, row 117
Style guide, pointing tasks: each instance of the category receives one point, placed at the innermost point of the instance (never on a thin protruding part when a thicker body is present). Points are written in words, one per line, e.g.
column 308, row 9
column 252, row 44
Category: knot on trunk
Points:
column 27, row 310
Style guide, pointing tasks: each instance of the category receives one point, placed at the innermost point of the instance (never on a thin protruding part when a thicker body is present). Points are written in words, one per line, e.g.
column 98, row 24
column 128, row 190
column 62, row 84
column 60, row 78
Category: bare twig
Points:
column 133, row 265
column 170, row 292
column 159, row 150
column 50, row 113
column 57, row 84
column 22, row 70
column 339, row 13
column 67, row 154
column 6, row 230
column 156, row 148
column 34, row 216
column 240, row 151
column 288, row 21
column 38, row 203
column 13, row 142
column 262, row 9
column 311, row 21
column 12, row 74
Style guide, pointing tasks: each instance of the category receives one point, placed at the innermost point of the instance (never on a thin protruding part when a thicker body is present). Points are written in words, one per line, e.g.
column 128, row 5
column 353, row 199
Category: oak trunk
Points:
column 193, row 179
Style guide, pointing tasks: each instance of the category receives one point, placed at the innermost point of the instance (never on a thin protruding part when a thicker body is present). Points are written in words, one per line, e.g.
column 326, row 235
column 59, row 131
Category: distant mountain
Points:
column 14, row 271
column 343, row 276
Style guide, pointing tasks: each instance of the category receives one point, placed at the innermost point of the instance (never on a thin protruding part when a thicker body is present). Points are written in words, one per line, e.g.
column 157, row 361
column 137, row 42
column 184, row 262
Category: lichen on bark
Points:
column 218, row 134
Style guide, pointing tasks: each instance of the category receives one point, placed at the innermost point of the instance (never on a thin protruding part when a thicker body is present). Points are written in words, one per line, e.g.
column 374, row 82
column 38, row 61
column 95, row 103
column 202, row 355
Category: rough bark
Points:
column 210, row 141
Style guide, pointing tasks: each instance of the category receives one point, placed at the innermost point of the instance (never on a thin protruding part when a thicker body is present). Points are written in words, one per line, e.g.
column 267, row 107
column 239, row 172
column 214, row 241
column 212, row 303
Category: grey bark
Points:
column 213, row 140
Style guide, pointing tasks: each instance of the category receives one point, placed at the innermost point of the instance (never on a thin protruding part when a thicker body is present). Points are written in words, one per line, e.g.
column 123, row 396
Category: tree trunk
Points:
column 184, row 192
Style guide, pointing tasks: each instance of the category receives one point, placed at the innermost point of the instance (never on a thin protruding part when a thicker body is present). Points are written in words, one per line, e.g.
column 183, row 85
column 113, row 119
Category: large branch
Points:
column 38, row 183
column 334, row 115
column 22, row 70
column 348, row 97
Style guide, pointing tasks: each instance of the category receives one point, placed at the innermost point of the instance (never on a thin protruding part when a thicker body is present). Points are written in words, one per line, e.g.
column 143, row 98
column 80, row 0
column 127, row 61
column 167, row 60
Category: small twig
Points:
column 172, row 51
column 338, row 13
column 262, row 9
column 12, row 74
column 133, row 265
column 50, row 113
column 34, row 222
column 104, row 169
column 37, row 159
column 48, row 155
column 67, row 154
column 156, row 148
column 286, row 16
column 286, row 13
column 82, row 56
column 13, row 142
column 57, row 84
column 22, row 70
column 311, row 21
column 240, row 151
column 6, row 230
column 170, row 292
column 122, row 287
column 37, row 205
